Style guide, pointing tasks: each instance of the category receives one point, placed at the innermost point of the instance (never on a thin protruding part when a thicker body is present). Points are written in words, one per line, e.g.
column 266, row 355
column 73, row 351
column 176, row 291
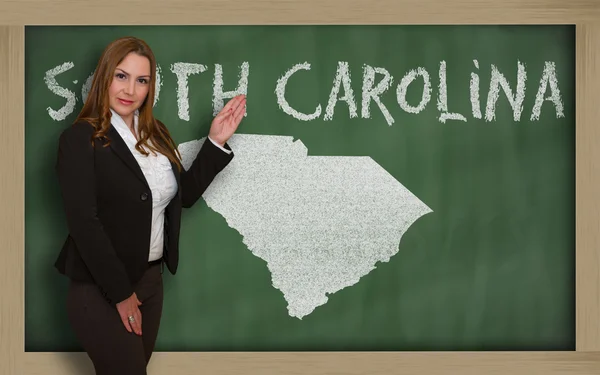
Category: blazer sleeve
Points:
column 75, row 169
column 208, row 163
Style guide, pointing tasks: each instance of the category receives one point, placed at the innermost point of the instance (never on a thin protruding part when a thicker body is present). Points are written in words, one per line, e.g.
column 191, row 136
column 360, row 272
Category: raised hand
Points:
column 227, row 121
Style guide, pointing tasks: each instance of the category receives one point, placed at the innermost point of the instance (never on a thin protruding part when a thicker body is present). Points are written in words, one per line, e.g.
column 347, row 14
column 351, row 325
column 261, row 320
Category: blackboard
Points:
column 490, row 267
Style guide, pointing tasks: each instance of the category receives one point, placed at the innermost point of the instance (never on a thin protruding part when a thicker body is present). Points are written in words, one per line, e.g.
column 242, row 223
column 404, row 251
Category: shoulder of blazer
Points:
column 79, row 130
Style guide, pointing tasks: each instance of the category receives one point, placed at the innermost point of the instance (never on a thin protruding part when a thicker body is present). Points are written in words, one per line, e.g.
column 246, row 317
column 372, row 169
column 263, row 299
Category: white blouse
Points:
column 159, row 174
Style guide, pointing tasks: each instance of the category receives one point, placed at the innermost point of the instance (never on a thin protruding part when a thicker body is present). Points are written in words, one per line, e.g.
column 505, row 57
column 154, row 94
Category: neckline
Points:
column 119, row 123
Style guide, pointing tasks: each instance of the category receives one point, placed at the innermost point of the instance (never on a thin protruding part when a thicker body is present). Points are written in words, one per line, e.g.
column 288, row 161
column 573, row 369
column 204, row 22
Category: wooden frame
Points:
column 585, row 14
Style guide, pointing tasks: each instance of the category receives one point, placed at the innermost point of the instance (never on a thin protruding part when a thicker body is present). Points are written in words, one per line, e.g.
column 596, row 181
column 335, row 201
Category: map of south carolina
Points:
column 319, row 222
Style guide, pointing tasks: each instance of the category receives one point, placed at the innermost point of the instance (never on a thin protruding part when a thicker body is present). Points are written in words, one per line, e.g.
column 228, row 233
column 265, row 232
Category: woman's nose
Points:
column 130, row 88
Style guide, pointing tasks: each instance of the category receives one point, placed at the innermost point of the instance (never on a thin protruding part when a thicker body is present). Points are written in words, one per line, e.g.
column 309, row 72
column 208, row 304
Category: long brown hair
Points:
column 96, row 109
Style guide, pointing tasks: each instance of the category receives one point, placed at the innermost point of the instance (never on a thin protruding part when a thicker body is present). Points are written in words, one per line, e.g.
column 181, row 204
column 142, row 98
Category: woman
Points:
column 123, row 188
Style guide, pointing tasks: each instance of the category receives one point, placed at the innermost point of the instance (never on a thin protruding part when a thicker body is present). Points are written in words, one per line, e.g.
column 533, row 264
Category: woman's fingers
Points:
column 136, row 323
column 224, row 112
column 125, row 321
column 231, row 106
column 228, row 119
column 239, row 111
column 130, row 314
column 236, row 101
column 122, row 309
column 137, row 315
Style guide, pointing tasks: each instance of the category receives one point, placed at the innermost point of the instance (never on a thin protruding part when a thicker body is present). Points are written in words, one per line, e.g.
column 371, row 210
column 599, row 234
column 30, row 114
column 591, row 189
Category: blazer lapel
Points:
column 120, row 148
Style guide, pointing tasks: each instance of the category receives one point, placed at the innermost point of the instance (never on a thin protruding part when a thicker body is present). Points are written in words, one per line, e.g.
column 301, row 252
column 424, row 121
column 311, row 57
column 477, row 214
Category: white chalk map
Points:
column 319, row 222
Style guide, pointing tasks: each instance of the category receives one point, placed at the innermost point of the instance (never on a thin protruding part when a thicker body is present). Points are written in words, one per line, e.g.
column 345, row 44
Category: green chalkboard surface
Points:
column 395, row 187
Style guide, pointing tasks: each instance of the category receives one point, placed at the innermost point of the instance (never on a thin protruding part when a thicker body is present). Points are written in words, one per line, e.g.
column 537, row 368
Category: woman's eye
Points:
column 143, row 80
column 120, row 75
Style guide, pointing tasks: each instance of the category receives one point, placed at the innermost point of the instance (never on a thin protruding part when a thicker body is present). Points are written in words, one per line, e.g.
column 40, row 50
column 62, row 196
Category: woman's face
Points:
column 130, row 85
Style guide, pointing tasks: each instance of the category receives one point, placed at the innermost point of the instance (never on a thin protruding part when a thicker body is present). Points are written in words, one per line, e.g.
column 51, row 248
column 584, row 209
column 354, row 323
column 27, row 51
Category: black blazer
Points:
column 108, row 206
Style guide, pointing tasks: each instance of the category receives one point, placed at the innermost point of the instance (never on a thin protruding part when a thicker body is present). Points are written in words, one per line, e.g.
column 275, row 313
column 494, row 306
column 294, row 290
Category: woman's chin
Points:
column 124, row 111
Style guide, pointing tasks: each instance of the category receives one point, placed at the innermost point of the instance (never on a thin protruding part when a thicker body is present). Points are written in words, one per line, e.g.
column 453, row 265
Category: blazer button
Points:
column 144, row 196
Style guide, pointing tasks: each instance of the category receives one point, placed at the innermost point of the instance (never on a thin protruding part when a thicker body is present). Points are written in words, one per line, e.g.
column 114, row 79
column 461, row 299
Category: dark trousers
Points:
column 100, row 331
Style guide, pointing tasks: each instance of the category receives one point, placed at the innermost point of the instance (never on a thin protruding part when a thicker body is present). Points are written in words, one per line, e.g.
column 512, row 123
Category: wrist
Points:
column 217, row 141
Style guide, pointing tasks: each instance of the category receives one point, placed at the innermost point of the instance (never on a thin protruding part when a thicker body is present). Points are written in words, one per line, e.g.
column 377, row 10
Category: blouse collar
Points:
column 117, row 121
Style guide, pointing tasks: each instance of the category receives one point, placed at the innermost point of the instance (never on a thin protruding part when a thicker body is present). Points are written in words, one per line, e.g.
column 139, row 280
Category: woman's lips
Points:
column 126, row 102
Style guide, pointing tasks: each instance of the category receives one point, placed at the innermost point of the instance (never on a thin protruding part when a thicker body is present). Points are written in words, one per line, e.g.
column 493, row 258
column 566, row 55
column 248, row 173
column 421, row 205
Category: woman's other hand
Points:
column 227, row 121
column 127, row 308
